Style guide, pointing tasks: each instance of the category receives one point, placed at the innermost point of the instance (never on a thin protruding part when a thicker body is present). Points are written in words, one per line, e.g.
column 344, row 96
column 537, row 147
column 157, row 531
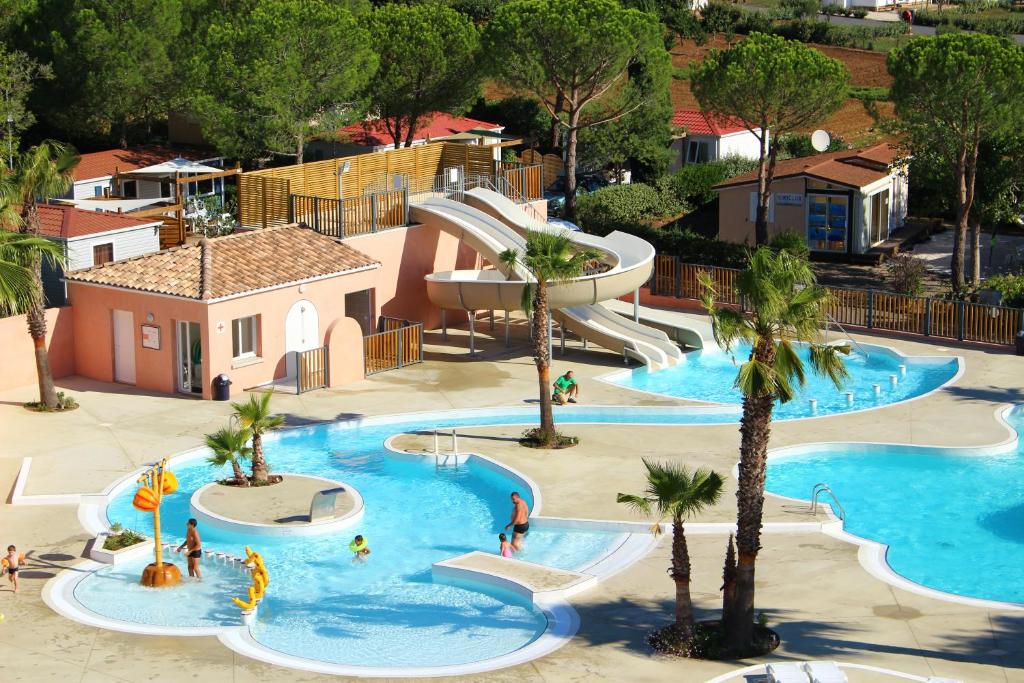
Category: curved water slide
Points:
column 628, row 261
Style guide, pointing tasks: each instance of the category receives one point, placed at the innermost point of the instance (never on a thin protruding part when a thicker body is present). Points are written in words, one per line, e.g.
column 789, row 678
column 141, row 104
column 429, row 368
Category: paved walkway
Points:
column 810, row 586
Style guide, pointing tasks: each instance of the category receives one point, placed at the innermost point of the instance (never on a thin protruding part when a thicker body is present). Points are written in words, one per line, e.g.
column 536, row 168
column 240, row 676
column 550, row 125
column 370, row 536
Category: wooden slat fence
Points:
column 870, row 309
column 351, row 216
column 172, row 232
column 393, row 349
column 524, row 182
column 311, row 369
column 551, row 164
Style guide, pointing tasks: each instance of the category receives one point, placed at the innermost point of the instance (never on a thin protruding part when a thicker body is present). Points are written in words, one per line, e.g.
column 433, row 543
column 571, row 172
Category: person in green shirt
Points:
column 566, row 389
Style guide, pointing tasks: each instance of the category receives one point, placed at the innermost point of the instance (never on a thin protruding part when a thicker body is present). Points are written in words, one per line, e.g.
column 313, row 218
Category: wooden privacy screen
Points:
column 312, row 369
column 271, row 187
column 552, row 165
column 869, row 308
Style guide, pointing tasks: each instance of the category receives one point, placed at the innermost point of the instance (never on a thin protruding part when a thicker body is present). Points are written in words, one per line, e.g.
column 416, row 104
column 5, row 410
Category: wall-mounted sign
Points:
column 151, row 337
column 789, row 199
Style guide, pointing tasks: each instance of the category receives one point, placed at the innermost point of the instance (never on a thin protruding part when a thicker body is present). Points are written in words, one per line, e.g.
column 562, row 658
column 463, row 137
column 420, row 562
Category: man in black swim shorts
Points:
column 195, row 549
column 520, row 522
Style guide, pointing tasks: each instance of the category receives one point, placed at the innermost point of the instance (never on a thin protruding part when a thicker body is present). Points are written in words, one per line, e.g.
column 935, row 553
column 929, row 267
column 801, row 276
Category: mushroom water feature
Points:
column 156, row 482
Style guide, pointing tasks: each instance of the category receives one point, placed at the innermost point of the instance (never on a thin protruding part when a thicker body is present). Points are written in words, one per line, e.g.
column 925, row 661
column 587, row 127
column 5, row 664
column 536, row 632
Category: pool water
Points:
column 710, row 375
column 384, row 612
column 953, row 522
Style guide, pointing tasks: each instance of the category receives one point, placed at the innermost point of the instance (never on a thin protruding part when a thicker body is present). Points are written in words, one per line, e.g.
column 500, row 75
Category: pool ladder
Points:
column 821, row 488
column 443, row 459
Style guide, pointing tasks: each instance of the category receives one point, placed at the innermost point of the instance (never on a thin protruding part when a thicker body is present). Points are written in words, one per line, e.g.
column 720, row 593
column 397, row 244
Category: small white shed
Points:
column 704, row 137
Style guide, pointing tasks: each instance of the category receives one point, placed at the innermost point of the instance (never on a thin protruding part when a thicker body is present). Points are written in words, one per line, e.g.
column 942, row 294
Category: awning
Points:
column 119, row 205
column 179, row 165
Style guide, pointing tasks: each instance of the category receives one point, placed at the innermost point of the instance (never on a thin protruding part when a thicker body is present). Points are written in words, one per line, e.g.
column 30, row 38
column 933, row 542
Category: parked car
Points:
column 585, row 184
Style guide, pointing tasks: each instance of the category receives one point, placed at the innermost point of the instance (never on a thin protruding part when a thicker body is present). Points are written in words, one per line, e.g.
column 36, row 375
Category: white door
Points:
column 301, row 331
column 124, row 347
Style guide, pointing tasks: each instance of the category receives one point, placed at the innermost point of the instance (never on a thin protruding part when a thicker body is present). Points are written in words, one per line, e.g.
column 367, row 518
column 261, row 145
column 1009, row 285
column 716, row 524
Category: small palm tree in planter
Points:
column 551, row 260
column 675, row 492
column 229, row 445
column 783, row 305
column 254, row 416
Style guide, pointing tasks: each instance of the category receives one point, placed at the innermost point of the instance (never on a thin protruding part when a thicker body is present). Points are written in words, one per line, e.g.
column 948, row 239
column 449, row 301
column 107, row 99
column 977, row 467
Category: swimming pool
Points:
column 709, row 375
column 387, row 612
column 953, row 519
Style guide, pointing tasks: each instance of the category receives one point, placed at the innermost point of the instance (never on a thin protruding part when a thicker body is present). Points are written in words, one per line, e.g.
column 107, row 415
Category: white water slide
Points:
column 490, row 223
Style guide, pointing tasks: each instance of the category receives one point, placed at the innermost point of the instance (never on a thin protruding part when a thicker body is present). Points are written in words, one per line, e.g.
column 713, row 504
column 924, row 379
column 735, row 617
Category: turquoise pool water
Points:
column 952, row 522
column 387, row 611
column 709, row 375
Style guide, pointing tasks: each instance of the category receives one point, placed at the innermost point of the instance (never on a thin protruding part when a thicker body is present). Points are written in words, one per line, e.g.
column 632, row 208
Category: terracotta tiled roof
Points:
column 107, row 162
column 437, row 125
column 697, row 122
column 68, row 222
column 853, row 168
column 236, row 264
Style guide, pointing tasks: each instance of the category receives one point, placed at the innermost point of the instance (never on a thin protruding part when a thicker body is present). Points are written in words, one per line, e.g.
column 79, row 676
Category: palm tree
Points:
column 16, row 282
column 675, row 492
column 551, row 260
column 254, row 415
column 229, row 445
column 46, row 170
column 783, row 305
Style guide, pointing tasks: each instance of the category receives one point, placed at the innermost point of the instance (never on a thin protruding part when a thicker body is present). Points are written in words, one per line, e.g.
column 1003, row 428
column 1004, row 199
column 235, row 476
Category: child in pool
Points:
column 506, row 547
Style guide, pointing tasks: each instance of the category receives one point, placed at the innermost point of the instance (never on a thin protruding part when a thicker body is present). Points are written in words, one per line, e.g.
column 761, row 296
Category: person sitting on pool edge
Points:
column 359, row 547
column 566, row 389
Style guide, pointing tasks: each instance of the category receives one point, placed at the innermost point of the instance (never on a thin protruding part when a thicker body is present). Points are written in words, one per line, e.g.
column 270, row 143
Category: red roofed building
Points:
column 706, row 137
column 91, row 238
column 844, row 202
column 96, row 171
column 372, row 135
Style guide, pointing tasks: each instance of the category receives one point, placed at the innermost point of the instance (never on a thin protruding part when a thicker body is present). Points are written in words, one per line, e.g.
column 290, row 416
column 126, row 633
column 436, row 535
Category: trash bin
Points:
column 1020, row 343
column 221, row 388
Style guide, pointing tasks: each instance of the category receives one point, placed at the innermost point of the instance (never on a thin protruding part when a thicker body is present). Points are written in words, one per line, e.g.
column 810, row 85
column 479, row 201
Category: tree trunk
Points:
column 239, row 474
column 36, row 314
column 300, row 145
column 543, row 361
column 765, row 164
column 755, row 430
column 729, row 578
column 681, row 575
column 556, row 124
column 975, row 251
column 960, row 234
column 570, row 167
column 259, row 464
column 410, row 134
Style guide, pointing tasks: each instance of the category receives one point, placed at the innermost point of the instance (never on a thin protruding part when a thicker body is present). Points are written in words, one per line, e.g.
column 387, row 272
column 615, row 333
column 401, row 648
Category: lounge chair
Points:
column 785, row 673
column 824, row 672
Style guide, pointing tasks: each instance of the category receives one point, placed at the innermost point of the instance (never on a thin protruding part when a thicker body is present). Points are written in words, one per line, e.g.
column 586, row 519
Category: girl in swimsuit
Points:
column 506, row 547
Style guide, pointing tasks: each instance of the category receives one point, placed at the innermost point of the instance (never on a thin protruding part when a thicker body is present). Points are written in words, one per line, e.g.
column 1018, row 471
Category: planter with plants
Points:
column 119, row 544
column 64, row 403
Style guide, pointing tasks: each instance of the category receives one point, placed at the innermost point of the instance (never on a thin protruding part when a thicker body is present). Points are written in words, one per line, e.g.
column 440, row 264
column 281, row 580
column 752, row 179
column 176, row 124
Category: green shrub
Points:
column 734, row 165
column 791, row 241
column 618, row 206
column 1011, row 286
column 799, row 9
column 692, row 183
column 868, row 93
column 794, row 145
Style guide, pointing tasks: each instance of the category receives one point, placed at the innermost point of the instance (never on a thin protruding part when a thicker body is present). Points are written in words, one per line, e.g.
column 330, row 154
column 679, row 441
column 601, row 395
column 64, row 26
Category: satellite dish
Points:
column 820, row 140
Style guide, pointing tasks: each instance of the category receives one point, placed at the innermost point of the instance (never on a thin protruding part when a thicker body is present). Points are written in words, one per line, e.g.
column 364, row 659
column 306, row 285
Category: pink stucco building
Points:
column 244, row 304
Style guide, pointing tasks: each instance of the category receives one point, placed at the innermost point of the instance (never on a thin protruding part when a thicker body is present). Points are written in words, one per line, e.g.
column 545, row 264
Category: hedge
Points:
column 615, row 206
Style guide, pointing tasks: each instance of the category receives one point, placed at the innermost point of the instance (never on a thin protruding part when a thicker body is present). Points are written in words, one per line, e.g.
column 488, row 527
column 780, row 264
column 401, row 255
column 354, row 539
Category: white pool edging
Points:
column 892, row 351
column 871, row 554
column 346, row 521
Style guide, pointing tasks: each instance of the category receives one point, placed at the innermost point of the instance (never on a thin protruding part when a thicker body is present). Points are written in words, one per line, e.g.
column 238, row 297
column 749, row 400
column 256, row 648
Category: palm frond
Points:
column 756, row 379
column 826, row 361
column 788, row 364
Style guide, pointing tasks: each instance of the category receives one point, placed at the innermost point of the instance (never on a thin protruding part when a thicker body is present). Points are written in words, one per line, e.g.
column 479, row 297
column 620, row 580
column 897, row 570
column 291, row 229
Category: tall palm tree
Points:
column 254, row 415
column 551, row 260
column 784, row 305
column 16, row 282
column 46, row 170
column 675, row 492
column 229, row 445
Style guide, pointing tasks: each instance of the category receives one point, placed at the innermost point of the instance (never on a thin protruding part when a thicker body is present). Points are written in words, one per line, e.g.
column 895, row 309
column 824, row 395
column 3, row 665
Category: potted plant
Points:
column 119, row 544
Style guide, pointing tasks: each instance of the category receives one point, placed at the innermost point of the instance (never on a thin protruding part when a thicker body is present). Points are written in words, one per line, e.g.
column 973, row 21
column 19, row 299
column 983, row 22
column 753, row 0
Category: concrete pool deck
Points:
column 810, row 585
